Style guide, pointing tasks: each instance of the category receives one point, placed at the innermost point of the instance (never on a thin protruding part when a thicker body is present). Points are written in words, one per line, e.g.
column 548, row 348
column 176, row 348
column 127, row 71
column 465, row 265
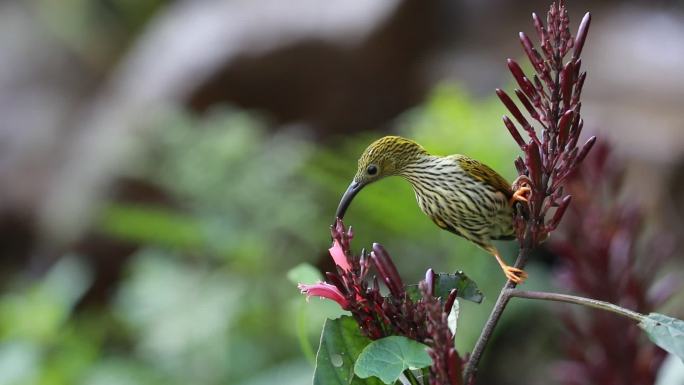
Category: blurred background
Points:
column 165, row 164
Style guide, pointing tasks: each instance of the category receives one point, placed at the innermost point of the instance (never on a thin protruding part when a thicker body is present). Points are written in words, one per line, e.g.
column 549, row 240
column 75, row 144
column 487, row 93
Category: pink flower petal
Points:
column 324, row 290
column 338, row 255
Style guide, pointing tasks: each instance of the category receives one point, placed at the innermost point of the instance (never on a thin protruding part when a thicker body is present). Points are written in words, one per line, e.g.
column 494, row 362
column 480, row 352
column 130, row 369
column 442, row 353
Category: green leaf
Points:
column 304, row 273
column 388, row 357
column 341, row 344
column 445, row 282
column 666, row 332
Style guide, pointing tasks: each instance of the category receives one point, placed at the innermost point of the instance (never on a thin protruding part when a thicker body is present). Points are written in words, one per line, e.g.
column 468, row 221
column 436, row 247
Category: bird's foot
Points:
column 520, row 195
column 514, row 274
column 522, row 188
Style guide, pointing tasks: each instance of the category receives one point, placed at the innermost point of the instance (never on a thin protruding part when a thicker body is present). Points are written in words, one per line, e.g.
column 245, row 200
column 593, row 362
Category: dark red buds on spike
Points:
column 582, row 35
column 388, row 272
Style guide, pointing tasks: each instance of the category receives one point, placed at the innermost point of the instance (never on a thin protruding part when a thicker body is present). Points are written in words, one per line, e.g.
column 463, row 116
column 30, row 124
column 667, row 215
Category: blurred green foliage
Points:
column 206, row 298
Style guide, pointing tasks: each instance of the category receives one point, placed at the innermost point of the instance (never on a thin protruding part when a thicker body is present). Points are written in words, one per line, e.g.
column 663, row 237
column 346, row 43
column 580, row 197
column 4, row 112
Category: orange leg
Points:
column 514, row 274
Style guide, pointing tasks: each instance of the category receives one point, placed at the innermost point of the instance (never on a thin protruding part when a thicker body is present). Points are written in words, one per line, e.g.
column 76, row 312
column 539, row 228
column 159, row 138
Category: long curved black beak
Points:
column 351, row 192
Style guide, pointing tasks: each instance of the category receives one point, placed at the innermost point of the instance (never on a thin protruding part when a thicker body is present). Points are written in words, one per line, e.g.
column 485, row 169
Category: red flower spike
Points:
column 582, row 35
column 324, row 290
column 388, row 272
column 514, row 132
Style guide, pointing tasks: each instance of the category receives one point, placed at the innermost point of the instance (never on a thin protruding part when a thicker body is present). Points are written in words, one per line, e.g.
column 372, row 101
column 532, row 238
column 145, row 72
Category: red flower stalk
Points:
column 551, row 97
column 601, row 348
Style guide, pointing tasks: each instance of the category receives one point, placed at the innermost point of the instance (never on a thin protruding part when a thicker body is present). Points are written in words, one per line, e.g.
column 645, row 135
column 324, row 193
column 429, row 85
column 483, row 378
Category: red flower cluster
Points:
column 422, row 319
column 551, row 97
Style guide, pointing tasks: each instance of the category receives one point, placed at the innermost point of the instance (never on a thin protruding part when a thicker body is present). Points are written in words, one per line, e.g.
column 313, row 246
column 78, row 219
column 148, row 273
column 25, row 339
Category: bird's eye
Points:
column 372, row 170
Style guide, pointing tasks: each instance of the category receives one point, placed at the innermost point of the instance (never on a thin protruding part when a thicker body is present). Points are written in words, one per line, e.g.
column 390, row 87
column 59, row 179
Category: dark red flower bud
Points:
column 578, row 66
column 582, row 35
column 508, row 102
column 534, row 163
column 522, row 80
column 585, row 149
column 578, row 86
column 532, row 54
column 564, row 127
column 430, row 282
column 566, row 81
column 528, row 106
column 335, row 280
column 449, row 303
column 388, row 272
column 560, row 211
column 539, row 26
column 514, row 132
column 453, row 370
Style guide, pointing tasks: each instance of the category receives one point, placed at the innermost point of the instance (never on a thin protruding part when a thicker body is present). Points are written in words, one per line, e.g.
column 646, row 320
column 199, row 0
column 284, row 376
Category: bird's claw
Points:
column 515, row 275
column 520, row 195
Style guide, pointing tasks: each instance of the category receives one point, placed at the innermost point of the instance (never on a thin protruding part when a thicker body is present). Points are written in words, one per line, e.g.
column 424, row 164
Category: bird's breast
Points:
column 458, row 202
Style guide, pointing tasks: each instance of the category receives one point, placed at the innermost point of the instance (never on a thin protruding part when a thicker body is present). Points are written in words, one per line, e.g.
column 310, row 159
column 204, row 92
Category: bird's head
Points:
column 385, row 157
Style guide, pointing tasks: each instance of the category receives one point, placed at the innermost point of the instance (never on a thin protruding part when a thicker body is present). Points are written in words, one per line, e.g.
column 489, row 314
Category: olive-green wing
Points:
column 484, row 173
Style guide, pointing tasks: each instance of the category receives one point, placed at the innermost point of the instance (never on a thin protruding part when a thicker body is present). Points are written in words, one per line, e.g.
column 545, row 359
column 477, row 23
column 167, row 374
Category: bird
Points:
column 460, row 194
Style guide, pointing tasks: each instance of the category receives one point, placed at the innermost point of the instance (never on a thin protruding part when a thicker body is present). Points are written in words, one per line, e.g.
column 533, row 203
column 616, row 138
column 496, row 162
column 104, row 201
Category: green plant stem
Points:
column 589, row 302
column 412, row 378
